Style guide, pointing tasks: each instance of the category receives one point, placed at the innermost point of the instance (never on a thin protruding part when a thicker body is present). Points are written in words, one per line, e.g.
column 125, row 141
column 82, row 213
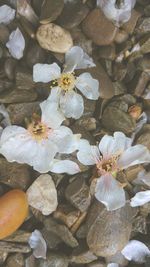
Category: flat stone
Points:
column 53, row 260
column 17, row 96
column 54, row 38
column 16, row 260
column 50, row 10
column 78, row 194
column 98, row 28
column 97, row 263
column 83, row 257
column 4, row 34
column 131, row 24
column 14, row 174
column 18, row 112
column 108, row 231
column 73, row 13
column 38, row 52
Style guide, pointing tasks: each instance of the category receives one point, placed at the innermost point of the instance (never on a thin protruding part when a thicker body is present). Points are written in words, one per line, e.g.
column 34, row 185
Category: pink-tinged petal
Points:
column 111, row 145
column 87, row 155
column 76, row 58
column 140, row 198
column 38, row 244
column 51, row 115
column 88, row 86
column 109, row 192
column 7, row 14
column 64, row 166
column 46, row 72
column 72, row 105
column 16, row 44
column 134, row 155
column 136, row 251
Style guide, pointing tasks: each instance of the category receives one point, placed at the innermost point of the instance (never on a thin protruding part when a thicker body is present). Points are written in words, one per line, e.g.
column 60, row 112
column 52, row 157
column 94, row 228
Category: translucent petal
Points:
column 140, row 198
column 51, row 115
column 38, row 244
column 88, row 86
column 134, row 155
column 64, row 166
column 114, row 145
column 109, row 192
column 113, row 265
column 7, row 14
column 72, row 105
column 16, row 44
column 76, row 58
column 88, row 155
column 46, row 72
column 136, row 251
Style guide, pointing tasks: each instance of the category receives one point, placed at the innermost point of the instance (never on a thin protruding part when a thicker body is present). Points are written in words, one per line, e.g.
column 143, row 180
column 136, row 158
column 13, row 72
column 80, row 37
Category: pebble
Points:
column 144, row 26
column 97, row 263
column 54, row 38
column 38, row 52
column 18, row 96
column 78, row 194
column 73, row 14
column 14, row 175
column 3, row 256
column 4, row 34
column 131, row 24
column 53, row 260
column 50, row 10
column 18, row 112
column 83, row 257
column 10, row 68
column 15, row 260
column 98, row 28
column 108, row 231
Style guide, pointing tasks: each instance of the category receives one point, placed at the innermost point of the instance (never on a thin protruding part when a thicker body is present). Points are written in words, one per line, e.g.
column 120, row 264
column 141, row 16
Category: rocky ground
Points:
column 80, row 231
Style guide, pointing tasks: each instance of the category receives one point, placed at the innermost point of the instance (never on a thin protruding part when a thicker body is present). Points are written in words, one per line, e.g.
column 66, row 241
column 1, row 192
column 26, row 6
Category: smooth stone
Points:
column 117, row 258
column 17, row 96
column 54, row 38
column 50, row 10
column 38, row 52
column 83, row 257
column 14, row 174
column 108, row 231
column 98, row 28
column 16, row 260
column 78, row 194
column 131, row 24
column 54, row 260
column 73, row 14
column 10, row 68
column 144, row 26
column 18, row 112
column 144, row 136
column 97, row 263
column 4, row 34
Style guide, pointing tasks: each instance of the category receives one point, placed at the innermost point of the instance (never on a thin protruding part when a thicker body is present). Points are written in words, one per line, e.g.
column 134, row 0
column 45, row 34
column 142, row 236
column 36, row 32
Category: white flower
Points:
column 140, row 198
column 7, row 14
column 120, row 12
column 16, row 44
column 136, row 251
column 71, row 103
column 38, row 244
column 114, row 154
column 38, row 144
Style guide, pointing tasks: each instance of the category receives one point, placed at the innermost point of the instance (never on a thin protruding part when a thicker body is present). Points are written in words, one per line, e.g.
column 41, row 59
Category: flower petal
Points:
column 88, row 155
column 72, row 105
column 136, row 251
column 88, row 86
column 51, row 115
column 114, row 145
column 66, row 141
column 140, row 198
column 76, row 58
column 7, row 14
column 110, row 193
column 16, row 44
column 134, row 155
column 64, row 166
column 113, row 265
column 54, row 95
column 16, row 144
column 38, row 244
column 45, row 72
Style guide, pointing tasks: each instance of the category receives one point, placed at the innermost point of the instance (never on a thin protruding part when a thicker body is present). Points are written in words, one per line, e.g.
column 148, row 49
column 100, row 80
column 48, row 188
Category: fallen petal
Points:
column 16, row 44
column 140, row 198
column 7, row 14
column 38, row 244
column 136, row 251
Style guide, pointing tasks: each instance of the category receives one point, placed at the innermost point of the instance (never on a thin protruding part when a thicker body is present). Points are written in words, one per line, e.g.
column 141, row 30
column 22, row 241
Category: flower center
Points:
column 66, row 81
column 38, row 130
column 107, row 165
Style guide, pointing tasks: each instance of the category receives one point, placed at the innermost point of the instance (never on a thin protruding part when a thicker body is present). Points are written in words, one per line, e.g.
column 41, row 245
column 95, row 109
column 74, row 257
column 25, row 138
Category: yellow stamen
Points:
column 66, row 81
